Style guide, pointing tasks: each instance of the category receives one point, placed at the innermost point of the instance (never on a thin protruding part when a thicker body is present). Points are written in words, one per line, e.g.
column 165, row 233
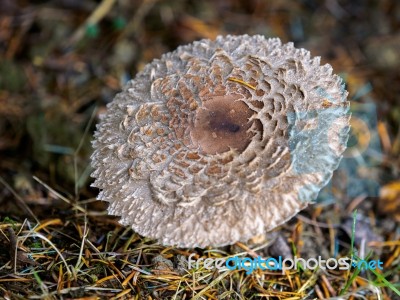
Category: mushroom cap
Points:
column 219, row 141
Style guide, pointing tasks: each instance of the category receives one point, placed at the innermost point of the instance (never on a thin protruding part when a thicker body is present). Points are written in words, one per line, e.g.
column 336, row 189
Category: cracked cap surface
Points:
column 219, row 141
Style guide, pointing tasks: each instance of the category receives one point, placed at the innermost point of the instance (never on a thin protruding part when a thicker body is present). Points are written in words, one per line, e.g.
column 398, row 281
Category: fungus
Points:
column 219, row 141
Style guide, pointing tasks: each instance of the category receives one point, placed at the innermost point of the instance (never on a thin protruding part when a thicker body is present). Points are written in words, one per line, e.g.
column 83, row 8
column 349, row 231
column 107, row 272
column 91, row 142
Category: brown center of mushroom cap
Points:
column 222, row 123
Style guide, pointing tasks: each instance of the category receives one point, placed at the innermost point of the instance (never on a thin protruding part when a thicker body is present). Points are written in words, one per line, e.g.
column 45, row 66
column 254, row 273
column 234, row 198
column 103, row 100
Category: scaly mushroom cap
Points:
column 219, row 141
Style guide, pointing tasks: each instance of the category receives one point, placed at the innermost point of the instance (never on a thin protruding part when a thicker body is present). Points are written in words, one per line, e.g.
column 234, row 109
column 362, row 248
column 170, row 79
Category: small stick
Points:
column 242, row 82
column 99, row 13
column 13, row 248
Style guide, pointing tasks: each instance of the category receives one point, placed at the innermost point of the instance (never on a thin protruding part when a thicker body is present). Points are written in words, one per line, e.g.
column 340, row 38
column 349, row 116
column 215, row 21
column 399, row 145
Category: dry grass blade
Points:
column 20, row 202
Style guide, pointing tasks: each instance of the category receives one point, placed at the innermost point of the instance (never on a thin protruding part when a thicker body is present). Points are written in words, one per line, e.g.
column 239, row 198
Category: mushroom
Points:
column 219, row 141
